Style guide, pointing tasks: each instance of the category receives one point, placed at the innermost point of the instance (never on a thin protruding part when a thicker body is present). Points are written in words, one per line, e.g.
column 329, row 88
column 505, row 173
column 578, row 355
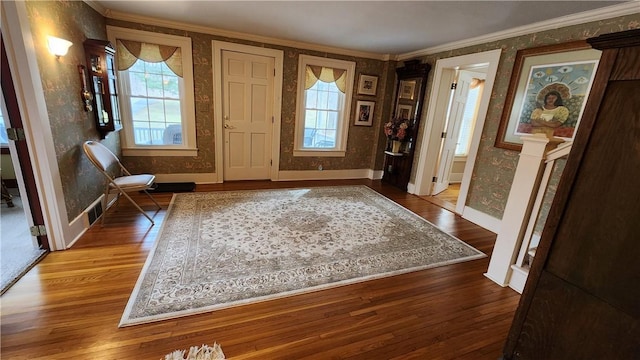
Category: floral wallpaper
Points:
column 360, row 153
column 495, row 168
column 549, row 194
column 70, row 125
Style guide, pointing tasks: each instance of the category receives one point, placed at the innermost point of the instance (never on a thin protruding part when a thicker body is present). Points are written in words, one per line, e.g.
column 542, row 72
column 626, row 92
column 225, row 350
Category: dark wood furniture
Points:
column 102, row 85
column 582, row 298
column 412, row 81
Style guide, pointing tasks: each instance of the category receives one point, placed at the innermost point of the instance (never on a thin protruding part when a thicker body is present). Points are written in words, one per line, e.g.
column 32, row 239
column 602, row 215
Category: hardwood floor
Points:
column 446, row 199
column 69, row 305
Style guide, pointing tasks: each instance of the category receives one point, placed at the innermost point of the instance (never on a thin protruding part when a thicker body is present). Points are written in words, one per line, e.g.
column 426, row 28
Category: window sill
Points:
column 159, row 152
column 319, row 153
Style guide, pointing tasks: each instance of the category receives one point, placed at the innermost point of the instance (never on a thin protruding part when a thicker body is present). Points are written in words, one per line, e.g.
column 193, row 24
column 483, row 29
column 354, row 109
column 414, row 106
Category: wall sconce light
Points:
column 57, row 46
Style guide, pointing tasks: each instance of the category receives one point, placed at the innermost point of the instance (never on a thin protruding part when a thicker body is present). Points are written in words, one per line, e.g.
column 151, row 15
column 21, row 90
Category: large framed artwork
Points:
column 547, row 93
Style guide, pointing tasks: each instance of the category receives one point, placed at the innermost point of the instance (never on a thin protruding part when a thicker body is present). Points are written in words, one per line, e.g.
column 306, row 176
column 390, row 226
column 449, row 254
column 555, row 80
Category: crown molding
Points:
column 116, row 15
column 627, row 8
column 96, row 6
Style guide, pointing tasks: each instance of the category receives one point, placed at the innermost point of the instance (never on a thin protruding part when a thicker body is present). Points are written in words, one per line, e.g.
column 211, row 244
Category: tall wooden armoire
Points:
column 582, row 298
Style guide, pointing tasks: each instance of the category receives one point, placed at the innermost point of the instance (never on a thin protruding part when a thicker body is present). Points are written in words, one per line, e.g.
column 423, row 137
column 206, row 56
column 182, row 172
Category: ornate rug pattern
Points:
column 222, row 249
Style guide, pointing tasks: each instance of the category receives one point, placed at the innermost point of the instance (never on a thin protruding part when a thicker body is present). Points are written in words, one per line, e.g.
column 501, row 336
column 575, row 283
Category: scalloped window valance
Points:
column 325, row 74
column 129, row 51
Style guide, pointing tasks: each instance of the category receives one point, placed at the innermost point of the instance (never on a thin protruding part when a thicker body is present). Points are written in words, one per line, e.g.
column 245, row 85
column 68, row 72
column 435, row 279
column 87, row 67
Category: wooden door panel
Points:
column 248, row 114
column 557, row 320
column 592, row 247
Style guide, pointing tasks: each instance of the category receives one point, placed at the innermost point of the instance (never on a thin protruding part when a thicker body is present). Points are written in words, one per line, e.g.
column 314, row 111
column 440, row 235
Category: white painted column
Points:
column 518, row 208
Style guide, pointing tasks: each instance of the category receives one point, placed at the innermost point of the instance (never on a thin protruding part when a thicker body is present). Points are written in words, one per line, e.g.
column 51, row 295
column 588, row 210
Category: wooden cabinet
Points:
column 582, row 297
column 102, row 85
column 412, row 81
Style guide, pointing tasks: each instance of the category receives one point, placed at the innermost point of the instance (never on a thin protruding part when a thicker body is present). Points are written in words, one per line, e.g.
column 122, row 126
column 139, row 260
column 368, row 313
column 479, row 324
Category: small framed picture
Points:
column 404, row 112
column 367, row 85
column 407, row 89
column 364, row 113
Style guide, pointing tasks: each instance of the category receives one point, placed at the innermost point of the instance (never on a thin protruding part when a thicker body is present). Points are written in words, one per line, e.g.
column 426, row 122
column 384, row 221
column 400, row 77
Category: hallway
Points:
column 447, row 199
column 18, row 254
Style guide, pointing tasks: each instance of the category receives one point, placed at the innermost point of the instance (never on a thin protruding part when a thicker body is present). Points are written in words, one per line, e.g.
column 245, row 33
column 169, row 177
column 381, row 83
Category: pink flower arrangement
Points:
column 397, row 129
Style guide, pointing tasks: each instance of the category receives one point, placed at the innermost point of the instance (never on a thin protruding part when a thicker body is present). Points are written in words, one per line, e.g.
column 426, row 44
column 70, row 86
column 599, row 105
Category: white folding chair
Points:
column 104, row 160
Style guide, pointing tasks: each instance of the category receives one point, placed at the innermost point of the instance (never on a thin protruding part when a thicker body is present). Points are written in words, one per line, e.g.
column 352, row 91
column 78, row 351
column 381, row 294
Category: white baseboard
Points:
column 286, row 175
column 80, row 224
column 518, row 278
column 292, row 175
column 494, row 280
column 481, row 219
column 455, row 178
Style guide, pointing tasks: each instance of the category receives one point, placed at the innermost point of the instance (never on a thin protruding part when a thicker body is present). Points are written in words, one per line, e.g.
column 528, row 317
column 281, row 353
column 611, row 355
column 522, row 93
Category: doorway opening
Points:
column 19, row 250
column 22, row 243
column 437, row 159
column 456, row 140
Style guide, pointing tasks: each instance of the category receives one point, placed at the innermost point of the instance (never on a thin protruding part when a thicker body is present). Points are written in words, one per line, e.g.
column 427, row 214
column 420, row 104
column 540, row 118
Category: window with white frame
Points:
column 324, row 105
column 155, row 78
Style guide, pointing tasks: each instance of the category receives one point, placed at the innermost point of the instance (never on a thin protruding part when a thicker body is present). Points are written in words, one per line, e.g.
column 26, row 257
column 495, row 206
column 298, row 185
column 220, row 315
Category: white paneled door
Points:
column 247, row 113
column 452, row 133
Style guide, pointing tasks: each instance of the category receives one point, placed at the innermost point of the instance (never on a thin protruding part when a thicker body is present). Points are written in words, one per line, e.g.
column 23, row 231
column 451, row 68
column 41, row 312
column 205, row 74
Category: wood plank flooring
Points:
column 69, row 305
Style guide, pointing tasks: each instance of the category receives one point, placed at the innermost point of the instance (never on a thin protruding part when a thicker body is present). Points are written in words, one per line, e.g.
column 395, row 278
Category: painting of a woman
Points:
column 550, row 114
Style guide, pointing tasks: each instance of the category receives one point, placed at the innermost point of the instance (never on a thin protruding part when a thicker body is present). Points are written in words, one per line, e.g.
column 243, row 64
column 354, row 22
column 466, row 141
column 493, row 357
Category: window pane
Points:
column 141, row 133
column 310, row 119
column 332, row 121
column 139, row 110
column 172, row 111
column 171, row 87
column 312, row 98
column 308, row 137
column 154, row 85
column 153, row 68
column 4, row 138
column 333, row 102
column 138, row 66
column 322, row 120
column 137, row 83
column 156, row 109
column 323, row 99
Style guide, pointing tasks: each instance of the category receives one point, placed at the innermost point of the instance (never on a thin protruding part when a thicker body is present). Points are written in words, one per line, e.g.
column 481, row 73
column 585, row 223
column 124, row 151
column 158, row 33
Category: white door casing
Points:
column 431, row 135
column 272, row 100
column 247, row 113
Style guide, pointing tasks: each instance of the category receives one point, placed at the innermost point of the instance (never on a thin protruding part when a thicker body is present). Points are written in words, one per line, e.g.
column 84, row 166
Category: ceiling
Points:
column 380, row 27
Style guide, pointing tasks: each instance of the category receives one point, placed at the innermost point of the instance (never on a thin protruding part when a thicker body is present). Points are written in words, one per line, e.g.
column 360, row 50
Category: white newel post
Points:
column 518, row 208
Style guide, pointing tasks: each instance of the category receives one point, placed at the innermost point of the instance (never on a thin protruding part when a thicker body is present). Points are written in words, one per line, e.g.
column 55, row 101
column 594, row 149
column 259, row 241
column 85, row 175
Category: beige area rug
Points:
column 222, row 249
